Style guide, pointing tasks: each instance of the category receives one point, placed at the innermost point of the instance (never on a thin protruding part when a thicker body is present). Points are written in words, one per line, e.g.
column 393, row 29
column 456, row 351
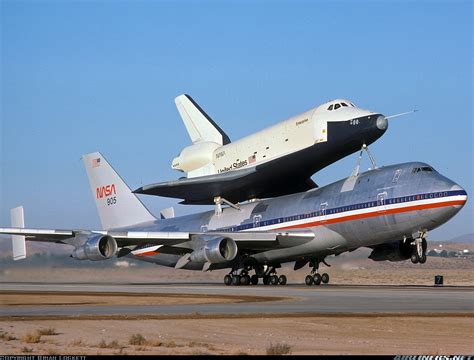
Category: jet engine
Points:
column 215, row 251
column 195, row 156
column 395, row 251
column 100, row 247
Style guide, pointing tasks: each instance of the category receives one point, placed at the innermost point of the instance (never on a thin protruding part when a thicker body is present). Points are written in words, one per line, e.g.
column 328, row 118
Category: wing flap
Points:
column 247, row 240
column 39, row 234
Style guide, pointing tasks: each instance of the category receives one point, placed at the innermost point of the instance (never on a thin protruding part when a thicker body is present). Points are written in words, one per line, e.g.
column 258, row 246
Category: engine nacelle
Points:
column 215, row 251
column 100, row 247
column 396, row 251
column 195, row 156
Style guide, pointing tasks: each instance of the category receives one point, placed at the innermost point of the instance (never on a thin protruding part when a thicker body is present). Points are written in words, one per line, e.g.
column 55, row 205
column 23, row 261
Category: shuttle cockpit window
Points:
column 330, row 107
column 337, row 106
column 344, row 104
column 352, row 104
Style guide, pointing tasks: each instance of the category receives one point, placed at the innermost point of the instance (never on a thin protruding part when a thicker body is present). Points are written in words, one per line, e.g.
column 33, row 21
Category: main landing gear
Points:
column 268, row 274
column 315, row 278
column 418, row 254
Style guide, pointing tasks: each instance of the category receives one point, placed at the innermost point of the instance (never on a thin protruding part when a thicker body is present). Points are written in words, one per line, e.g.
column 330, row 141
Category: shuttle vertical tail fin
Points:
column 199, row 125
column 116, row 204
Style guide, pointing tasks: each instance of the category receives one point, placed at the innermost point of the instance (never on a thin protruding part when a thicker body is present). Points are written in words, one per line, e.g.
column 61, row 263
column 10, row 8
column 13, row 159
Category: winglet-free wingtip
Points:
column 18, row 241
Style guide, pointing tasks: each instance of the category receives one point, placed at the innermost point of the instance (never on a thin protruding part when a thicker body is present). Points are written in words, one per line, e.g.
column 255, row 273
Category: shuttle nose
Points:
column 382, row 123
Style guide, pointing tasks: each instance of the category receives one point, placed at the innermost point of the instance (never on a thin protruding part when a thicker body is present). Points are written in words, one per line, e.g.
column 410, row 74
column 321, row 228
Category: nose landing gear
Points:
column 418, row 254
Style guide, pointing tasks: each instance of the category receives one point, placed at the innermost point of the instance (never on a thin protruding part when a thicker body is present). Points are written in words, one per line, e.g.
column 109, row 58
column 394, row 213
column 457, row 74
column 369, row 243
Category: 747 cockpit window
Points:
column 422, row 169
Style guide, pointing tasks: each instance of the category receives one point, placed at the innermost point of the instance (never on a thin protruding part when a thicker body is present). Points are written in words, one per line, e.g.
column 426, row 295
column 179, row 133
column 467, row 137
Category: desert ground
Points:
column 431, row 334
column 361, row 334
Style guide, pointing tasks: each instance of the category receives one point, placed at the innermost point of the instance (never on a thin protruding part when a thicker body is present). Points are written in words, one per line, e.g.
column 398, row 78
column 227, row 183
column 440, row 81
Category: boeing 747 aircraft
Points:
column 389, row 209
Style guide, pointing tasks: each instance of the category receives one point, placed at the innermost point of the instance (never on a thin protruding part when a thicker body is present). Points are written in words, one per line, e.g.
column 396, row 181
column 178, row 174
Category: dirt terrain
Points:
column 361, row 334
column 430, row 334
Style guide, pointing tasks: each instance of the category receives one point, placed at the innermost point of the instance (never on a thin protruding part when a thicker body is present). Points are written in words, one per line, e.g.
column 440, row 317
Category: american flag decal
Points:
column 95, row 162
column 252, row 159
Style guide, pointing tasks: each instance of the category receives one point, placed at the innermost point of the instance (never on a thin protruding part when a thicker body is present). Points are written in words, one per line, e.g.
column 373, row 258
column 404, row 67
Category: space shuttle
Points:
column 275, row 161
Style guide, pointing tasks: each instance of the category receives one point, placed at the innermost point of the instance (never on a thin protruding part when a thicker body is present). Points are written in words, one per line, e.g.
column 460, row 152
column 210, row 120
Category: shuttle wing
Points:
column 269, row 179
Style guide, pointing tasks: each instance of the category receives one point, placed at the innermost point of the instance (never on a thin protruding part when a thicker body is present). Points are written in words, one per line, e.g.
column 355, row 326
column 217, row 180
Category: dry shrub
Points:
column 78, row 342
column 170, row 344
column 137, row 339
column 155, row 343
column 48, row 331
column 31, row 338
column 112, row 345
column 200, row 344
column 121, row 352
column 26, row 350
column 279, row 349
column 6, row 336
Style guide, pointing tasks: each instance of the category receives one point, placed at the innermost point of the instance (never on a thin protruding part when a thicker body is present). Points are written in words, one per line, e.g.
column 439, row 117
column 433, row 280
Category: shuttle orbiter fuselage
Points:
column 276, row 161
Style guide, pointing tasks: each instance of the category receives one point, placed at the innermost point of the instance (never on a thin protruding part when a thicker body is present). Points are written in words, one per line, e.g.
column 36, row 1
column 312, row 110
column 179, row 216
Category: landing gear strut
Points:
column 418, row 254
column 315, row 278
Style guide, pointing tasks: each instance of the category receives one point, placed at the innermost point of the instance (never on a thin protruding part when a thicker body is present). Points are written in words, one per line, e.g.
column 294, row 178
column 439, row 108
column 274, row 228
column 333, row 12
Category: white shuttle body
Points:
column 275, row 161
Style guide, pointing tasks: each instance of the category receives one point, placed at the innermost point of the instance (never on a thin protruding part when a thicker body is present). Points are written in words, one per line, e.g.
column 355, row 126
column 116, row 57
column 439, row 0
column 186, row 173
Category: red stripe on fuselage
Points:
column 374, row 214
column 357, row 217
column 149, row 253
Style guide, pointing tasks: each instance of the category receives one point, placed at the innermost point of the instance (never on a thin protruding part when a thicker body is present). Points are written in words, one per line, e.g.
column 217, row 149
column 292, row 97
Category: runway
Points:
column 290, row 299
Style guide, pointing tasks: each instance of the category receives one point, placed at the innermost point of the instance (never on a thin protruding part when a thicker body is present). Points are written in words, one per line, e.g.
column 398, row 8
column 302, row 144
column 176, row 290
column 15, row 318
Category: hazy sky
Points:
column 84, row 76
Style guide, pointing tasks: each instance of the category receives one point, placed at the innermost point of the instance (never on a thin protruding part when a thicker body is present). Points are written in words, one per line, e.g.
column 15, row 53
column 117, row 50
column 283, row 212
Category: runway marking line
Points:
column 57, row 298
column 198, row 316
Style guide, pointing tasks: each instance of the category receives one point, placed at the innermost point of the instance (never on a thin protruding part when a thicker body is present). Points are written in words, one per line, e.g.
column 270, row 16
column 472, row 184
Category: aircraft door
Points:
column 323, row 212
column 256, row 220
column 381, row 202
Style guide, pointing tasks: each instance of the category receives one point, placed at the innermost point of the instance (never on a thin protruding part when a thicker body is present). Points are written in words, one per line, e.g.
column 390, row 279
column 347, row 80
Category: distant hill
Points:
column 464, row 239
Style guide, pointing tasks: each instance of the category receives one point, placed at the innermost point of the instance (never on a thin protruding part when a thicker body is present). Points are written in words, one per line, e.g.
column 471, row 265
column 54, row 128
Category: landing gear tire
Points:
column 325, row 278
column 422, row 259
column 254, row 280
column 282, row 280
column 414, row 258
column 228, row 280
column 236, row 280
column 317, row 279
column 266, row 280
column 274, row 280
column 308, row 280
column 245, row 280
